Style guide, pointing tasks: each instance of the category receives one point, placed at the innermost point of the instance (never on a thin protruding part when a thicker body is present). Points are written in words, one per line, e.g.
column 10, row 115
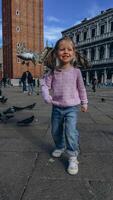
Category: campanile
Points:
column 22, row 26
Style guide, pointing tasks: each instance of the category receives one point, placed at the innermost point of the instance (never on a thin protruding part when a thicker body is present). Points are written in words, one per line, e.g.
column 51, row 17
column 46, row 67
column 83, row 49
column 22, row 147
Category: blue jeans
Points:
column 64, row 131
column 30, row 88
column 24, row 86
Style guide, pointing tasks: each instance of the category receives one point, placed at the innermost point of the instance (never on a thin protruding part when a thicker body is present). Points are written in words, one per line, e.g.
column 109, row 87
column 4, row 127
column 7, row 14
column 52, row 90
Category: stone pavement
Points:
column 27, row 171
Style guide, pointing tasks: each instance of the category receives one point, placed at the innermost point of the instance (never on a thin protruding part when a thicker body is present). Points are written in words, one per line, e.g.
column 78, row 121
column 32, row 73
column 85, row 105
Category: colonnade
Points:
column 100, row 76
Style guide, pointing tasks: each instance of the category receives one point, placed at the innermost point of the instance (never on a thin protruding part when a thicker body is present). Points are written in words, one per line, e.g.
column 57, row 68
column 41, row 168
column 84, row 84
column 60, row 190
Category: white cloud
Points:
column 77, row 22
column 52, row 34
column 94, row 10
column 52, row 19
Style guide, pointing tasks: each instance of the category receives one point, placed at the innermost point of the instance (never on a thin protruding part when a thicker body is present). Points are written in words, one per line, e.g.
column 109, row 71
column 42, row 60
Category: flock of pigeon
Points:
column 9, row 113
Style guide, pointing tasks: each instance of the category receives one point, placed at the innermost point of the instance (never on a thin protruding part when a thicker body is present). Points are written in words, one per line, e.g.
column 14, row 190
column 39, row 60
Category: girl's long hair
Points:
column 51, row 60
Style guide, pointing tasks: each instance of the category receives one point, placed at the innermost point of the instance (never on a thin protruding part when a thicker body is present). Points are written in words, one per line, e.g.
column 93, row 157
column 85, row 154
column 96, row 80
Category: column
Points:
column 89, row 33
column 87, row 78
column 97, row 53
column 102, row 79
column 105, row 77
column 74, row 37
column 106, row 51
column 96, row 75
column 107, row 25
column 81, row 36
column 112, row 78
column 98, row 31
column 89, row 54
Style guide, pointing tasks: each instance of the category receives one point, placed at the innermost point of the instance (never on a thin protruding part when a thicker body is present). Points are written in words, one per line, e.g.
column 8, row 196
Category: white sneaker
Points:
column 73, row 166
column 57, row 153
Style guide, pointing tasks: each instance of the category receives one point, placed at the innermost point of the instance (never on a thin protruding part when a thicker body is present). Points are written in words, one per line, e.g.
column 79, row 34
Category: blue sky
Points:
column 61, row 14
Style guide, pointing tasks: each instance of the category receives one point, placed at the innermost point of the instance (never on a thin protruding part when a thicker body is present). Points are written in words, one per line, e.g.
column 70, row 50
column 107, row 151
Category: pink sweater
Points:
column 67, row 87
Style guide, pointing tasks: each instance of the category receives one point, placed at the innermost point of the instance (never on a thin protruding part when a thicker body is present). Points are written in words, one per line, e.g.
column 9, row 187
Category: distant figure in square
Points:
column 94, row 83
column 4, row 80
column 27, row 80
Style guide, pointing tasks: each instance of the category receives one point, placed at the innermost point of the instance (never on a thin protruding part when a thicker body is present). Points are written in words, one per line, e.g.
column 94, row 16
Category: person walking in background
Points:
column 27, row 80
column 24, row 80
column 4, row 80
column 30, row 82
column 38, row 85
column 94, row 83
column 67, row 91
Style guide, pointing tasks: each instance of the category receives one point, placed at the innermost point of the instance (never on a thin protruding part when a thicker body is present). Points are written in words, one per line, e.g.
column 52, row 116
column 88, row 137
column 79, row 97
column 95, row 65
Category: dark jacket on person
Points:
column 27, row 76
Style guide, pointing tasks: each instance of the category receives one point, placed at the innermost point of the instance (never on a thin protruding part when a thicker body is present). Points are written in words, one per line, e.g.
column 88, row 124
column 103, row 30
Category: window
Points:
column 71, row 36
column 17, row 12
column 77, row 38
column 18, row 60
column 18, row 45
column 93, row 33
column 92, row 54
column 85, row 53
column 18, row 29
column 102, row 52
column 85, row 35
column 111, row 26
column 111, row 50
column 102, row 29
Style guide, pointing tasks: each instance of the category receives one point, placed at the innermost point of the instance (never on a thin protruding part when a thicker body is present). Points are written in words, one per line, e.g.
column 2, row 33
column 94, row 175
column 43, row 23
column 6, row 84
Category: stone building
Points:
column 22, row 26
column 94, row 39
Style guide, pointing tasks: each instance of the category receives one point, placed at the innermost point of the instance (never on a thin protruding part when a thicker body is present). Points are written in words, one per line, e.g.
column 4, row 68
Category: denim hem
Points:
column 72, row 153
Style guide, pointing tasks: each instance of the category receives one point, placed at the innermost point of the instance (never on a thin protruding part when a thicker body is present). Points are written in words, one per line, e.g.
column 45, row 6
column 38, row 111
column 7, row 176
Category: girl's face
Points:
column 65, row 52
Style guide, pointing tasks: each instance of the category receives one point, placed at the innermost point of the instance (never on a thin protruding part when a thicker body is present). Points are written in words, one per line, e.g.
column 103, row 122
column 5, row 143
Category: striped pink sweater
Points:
column 67, row 87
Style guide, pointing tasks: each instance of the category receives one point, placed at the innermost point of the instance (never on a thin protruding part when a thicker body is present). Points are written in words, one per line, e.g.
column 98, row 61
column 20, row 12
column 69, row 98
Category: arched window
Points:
column 18, row 60
column 18, row 29
column 18, row 45
column 17, row 12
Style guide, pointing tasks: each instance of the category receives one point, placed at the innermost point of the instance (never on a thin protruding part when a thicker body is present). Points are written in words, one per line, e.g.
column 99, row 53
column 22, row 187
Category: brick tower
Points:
column 22, row 25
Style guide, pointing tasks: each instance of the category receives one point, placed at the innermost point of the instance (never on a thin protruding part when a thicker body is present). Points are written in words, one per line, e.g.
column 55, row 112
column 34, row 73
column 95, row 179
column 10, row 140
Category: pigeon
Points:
column 26, row 107
column 9, row 110
column 9, row 116
column 13, row 109
column 4, row 118
column 26, row 121
column 30, row 106
column 3, row 99
column 4, row 115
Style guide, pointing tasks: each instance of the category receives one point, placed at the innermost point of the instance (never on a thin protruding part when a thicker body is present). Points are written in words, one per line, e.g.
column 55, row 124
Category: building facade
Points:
column 94, row 39
column 22, row 25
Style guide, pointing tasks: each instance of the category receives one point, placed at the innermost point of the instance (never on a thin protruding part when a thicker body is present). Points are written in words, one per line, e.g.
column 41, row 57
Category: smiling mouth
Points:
column 65, row 56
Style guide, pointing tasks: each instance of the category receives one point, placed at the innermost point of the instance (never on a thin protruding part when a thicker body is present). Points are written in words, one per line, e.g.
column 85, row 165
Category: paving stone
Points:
column 27, row 170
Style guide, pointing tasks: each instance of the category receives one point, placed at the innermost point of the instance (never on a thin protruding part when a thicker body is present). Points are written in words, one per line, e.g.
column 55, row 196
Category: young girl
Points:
column 67, row 91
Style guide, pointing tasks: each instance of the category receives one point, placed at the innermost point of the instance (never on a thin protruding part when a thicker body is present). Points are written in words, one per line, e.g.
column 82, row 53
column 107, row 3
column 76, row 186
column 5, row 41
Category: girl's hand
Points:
column 84, row 108
column 48, row 99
